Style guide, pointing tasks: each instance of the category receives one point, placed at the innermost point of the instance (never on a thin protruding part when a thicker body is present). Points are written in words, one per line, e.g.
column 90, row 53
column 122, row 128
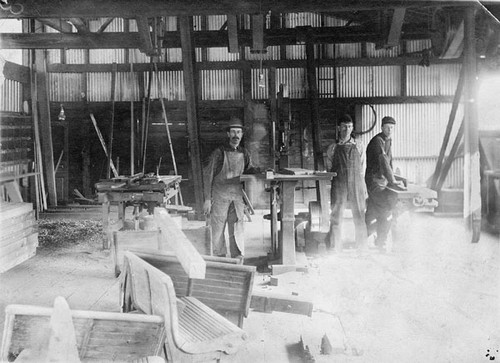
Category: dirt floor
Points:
column 433, row 298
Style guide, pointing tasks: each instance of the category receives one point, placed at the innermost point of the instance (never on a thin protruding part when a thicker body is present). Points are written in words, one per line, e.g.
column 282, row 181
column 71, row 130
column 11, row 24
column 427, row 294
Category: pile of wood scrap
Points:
column 19, row 237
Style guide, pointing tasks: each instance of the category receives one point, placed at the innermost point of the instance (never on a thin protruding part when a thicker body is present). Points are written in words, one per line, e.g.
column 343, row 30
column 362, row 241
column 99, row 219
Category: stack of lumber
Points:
column 19, row 234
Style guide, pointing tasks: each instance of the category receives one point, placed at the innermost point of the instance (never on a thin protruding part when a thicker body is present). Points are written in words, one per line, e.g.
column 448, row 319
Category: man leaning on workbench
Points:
column 379, row 175
column 223, row 191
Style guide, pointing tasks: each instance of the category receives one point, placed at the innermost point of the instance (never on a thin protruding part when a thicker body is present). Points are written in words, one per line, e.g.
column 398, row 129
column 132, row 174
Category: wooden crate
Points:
column 19, row 234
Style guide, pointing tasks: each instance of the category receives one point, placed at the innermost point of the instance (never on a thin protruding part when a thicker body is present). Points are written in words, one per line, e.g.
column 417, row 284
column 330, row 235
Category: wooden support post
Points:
column 472, row 180
column 247, row 95
column 188, row 65
column 314, row 104
column 45, row 126
column 194, row 265
column 232, row 33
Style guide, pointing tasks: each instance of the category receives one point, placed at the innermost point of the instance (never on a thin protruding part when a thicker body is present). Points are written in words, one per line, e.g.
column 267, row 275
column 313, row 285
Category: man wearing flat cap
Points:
column 224, row 193
column 379, row 174
column 346, row 158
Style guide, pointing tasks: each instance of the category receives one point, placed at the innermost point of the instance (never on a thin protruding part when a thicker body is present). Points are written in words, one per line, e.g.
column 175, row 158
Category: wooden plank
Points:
column 19, row 255
column 145, row 36
column 269, row 302
column 13, row 191
column 6, row 241
column 58, row 24
column 172, row 235
column 62, row 339
column 394, row 35
column 42, row 88
column 13, row 210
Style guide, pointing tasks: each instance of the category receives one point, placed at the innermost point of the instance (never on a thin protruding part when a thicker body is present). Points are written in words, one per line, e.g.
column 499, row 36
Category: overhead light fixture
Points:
column 62, row 115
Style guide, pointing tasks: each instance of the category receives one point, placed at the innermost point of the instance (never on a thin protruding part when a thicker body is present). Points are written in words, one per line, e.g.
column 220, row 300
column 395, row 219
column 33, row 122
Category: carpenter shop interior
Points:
column 249, row 181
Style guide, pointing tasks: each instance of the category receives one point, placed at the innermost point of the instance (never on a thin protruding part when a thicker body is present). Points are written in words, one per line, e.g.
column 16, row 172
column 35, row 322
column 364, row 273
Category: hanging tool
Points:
column 166, row 126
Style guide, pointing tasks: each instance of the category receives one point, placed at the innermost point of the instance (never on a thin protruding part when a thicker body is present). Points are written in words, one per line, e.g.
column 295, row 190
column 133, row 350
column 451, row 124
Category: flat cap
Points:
column 388, row 120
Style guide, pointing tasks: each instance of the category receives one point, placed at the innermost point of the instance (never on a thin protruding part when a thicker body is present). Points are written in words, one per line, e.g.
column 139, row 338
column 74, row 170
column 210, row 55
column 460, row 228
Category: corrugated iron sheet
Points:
column 436, row 80
column 372, row 52
column 293, row 20
column 417, row 137
column 215, row 22
column 297, row 51
column 221, row 54
column 10, row 95
column 173, row 55
column 172, row 85
column 294, row 80
column 346, row 50
column 65, row 87
column 221, row 84
column 417, row 45
column 368, row 81
column 106, row 56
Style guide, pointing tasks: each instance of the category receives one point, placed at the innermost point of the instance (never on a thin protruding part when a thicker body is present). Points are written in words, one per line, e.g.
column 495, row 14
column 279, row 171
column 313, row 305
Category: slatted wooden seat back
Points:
column 194, row 331
column 100, row 336
column 226, row 288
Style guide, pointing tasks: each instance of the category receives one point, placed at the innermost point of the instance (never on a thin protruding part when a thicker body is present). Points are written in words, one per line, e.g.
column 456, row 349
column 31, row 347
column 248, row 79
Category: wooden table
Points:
column 134, row 191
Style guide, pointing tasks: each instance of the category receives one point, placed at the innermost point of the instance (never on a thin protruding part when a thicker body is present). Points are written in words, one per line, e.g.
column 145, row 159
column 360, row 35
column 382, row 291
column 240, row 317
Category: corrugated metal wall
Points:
column 368, row 81
column 11, row 99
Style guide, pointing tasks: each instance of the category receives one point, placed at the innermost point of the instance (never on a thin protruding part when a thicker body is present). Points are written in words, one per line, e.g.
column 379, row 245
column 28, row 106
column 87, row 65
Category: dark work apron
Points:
column 347, row 164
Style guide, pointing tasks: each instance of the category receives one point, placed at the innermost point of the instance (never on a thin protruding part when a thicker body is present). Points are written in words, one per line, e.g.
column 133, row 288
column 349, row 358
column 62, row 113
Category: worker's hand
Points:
column 207, row 206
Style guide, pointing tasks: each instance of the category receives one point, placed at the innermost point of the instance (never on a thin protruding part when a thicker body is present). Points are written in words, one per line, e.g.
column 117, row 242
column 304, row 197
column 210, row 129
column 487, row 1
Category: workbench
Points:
column 137, row 191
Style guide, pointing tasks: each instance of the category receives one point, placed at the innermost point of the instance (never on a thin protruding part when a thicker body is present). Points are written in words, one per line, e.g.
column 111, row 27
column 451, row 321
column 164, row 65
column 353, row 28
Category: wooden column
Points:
column 472, row 185
column 45, row 126
column 189, row 70
column 314, row 104
column 247, row 94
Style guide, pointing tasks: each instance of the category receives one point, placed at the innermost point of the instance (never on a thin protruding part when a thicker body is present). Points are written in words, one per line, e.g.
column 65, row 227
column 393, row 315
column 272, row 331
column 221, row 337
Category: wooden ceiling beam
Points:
column 215, row 38
column 154, row 8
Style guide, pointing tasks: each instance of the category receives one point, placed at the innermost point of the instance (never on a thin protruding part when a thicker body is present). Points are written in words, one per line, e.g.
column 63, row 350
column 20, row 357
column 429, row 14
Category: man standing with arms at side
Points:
column 224, row 193
column 379, row 174
column 346, row 158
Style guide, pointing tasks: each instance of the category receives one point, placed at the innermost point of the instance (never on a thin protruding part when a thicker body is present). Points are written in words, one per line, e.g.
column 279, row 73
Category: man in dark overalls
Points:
column 224, row 194
column 381, row 202
column 346, row 158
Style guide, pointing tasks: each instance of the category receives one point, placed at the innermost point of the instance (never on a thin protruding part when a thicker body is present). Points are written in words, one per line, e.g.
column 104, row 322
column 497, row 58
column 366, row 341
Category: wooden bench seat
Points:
column 98, row 336
column 194, row 332
column 226, row 288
